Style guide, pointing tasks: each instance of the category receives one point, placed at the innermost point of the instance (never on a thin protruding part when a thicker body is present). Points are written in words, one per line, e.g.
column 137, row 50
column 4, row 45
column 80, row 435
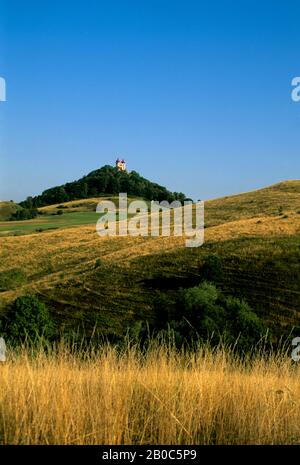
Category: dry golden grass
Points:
column 263, row 226
column 80, row 205
column 76, row 205
column 268, row 202
column 43, row 257
column 163, row 397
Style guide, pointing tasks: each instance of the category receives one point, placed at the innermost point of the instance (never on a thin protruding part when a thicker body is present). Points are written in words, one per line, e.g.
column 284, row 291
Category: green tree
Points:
column 28, row 318
column 29, row 202
column 242, row 323
column 204, row 311
column 201, row 311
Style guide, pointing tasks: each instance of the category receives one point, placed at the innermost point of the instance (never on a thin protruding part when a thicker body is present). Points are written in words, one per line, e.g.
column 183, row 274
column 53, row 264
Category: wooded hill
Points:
column 106, row 180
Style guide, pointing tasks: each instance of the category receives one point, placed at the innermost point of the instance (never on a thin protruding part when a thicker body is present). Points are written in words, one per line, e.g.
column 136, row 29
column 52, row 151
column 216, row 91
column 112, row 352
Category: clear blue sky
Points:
column 194, row 95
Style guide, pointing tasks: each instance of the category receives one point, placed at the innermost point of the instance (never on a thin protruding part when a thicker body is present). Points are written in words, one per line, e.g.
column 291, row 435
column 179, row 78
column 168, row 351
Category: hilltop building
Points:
column 121, row 164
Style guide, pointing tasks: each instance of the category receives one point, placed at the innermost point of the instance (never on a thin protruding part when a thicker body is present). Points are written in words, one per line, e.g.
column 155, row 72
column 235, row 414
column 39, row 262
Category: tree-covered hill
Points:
column 106, row 180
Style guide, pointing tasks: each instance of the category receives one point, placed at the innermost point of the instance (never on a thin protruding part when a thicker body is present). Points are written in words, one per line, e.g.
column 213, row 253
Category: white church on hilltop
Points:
column 121, row 164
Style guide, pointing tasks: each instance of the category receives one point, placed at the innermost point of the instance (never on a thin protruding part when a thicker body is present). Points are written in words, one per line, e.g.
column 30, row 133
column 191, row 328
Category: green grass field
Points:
column 75, row 213
column 48, row 222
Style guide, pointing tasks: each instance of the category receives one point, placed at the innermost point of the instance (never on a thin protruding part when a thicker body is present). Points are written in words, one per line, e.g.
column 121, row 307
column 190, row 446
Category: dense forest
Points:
column 106, row 180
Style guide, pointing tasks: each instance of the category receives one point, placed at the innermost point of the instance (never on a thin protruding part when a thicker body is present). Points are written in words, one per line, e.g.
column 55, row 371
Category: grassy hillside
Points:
column 277, row 200
column 111, row 282
column 7, row 209
column 82, row 205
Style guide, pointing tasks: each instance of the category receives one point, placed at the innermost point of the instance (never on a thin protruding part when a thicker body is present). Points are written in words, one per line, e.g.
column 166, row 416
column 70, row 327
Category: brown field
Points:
column 163, row 397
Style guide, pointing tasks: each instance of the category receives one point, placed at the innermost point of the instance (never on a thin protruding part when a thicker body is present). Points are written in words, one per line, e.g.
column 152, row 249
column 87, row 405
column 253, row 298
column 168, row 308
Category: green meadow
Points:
column 48, row 222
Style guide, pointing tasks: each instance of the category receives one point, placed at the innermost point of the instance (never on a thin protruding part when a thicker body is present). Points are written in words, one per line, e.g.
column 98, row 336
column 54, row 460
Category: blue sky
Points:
column 194, row 95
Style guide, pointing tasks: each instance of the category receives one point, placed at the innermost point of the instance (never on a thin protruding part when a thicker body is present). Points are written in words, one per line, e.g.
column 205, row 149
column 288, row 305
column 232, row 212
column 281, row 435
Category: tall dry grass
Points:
column 161, row 397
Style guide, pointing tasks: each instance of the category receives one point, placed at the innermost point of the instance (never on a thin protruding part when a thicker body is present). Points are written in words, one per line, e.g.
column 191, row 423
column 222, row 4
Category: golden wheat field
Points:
column 161, row 397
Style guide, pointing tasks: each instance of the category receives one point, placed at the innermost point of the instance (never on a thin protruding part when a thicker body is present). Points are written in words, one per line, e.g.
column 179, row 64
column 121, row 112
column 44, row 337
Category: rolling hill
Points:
column 7, row 209
column 112, row 282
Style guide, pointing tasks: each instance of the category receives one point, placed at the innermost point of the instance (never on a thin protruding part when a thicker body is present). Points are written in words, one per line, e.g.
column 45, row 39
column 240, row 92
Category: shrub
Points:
column 212, row 269
column 242, row 323
column 201, row 311
column 28, row 318
column 98, row 263
column 163, row 307
column 204, row 312
column 137, row 332
column 24, row 214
